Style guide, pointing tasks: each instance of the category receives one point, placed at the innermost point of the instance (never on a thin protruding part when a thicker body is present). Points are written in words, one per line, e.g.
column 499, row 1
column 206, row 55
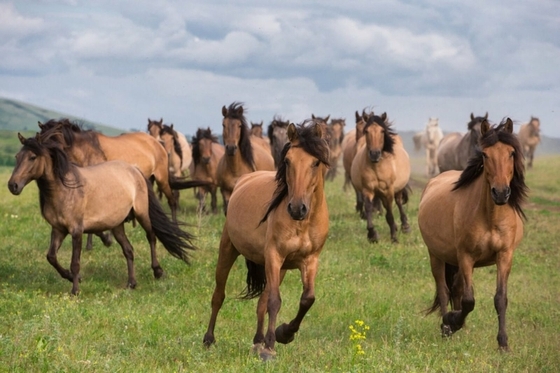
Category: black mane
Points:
column 389, row 133
column 176, row 146
column 312, row 144
column 475, row 166
column 245, row 147
column 201, row 133
column 70, row 131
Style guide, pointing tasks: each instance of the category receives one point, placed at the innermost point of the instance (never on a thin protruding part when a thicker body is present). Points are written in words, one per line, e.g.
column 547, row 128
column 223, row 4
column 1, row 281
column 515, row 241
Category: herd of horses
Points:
column 470, row 213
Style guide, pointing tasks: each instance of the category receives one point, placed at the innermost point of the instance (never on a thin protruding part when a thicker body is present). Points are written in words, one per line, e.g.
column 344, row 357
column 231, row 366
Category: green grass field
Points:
column 379, row 289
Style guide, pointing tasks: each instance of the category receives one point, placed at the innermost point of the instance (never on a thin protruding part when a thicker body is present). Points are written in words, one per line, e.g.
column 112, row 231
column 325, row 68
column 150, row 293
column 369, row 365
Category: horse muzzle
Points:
column 500, row 196
column 15, row 188
column 231, row 149
column 205, row 160
column 298, row 211
column 374, row 155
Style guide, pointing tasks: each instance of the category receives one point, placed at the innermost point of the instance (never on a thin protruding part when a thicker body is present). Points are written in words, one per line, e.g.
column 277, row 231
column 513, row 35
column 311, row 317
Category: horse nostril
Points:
column 303, row 210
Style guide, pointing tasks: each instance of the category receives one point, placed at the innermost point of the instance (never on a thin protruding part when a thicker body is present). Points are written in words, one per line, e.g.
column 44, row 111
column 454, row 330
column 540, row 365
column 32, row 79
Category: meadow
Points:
column 368, row 315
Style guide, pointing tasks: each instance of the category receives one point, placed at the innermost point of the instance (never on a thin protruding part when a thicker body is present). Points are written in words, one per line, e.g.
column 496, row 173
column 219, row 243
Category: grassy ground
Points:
column 380, row 290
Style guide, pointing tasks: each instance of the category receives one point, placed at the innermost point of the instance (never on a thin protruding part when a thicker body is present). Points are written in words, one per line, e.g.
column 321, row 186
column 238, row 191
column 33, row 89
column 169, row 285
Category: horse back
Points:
column 261, row 154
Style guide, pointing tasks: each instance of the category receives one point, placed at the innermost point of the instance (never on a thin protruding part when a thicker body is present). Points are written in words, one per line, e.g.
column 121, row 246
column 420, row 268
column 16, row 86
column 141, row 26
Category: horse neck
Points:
column 319, row 200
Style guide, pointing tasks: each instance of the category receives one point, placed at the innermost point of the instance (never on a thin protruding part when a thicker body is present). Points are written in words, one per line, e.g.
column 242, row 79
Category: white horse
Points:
column 429, row 138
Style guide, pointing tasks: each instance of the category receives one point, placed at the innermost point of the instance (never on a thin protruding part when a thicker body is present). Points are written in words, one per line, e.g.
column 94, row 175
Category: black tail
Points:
column 173, row 238
column 405, row 193
column 256, row 280
column 181, row 183
column 450, row 272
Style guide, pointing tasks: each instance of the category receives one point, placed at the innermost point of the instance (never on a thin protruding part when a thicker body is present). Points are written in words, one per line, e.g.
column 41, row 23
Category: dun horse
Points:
column 243, row 154
column 277, row 134
column 429, row 138
column 336, row 135
column 530, row 137
column 473, row 219
column 350, row 147
column 381, row 169
column 277, row 222
column 206, row 153
column 178, row 150
column 76, row 200
column 456, row 149
column 257, row 129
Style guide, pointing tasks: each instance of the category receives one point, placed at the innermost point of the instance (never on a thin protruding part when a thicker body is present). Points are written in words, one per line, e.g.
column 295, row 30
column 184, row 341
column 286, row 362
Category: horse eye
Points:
column 484, row 155
column 316, row 163
column 33, row 157
column 512, row 154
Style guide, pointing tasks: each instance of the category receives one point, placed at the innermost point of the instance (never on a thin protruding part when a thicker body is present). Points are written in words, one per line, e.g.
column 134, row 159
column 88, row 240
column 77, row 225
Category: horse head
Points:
column 378, row 134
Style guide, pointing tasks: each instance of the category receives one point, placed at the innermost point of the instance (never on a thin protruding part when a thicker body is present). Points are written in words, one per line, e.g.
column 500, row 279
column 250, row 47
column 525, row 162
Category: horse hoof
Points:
column 267, row 354
column 257, row 348
column 283, row 335
column 158, row 272
column 132, row 285
column 208, row 340
column 372, row 235
column 446, row 330
column 406, row 228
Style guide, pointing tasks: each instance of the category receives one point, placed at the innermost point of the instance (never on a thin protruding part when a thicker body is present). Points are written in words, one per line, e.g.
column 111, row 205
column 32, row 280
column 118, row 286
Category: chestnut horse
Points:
column 277, row 221
column 455, row 149
column 473, row 219
column 529, row 137
column 336, row 136
column 206, row 154
column 381, row 169
column 243, row 153
column 77, row 200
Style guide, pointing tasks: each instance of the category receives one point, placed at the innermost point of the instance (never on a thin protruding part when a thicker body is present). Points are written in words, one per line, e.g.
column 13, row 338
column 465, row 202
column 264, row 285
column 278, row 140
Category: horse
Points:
column 257, row 129
column 323, row 122
column 277, row 221
column 336, row 135
column 381, row 169
column 88, row 147
column 473, row 219
column 455, row 149
column 178, row 150
column 278, row 137
column 243, row 154
column 429, row 138
column 76, row 200
column 349, row 149
column 206, row 153
column 529, row 137
column 154, row 127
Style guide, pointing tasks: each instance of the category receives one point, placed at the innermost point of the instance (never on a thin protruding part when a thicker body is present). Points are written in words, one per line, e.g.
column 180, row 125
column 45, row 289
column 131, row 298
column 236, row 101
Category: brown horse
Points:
column 77, row 200
column 278, row 137
column 206, row 153
column 336, row 135
column 350, row 145
column 257, row 129
column 456, row 149
column 381, row 168
column 87, row 148
column 473, row 219
column 530, row 137
column 243, row 153
column 277, row 222
column 178, row 150
column 154, row 127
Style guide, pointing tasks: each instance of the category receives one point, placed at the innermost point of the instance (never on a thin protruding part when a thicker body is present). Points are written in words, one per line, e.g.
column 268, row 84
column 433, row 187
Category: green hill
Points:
column 20, row 116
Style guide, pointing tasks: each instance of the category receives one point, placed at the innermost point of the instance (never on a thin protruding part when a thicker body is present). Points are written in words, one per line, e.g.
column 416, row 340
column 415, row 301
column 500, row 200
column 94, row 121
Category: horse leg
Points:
column 226, row 258
column 285, row 332
column 128, row 253
column 145, row 223
column 273, row 263
column 405, row 227
column 258, row 339
column 456, row 319
column 75, row 263
column 503, row 264
column 214, row 200
column 89, row 242
column 56, row 240
column 372, row 234
column 201, row 196
column 388, row 204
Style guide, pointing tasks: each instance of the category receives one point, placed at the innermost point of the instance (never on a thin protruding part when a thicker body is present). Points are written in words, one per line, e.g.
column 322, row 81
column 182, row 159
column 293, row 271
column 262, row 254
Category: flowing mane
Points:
column 176, row 146
column 70, row 130
column 201, row 133
column 388, row 141
column 312, row 144
column 244, row 144
column 475, row 166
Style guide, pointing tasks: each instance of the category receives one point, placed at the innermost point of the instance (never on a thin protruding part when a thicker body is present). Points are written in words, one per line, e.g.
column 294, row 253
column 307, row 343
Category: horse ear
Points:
column 292, row 132
column 21, row 138
column 509, row 126
column 484, row 126
column 384, row 116
column 240, row 111
column 171, row 126
column 224, row 111
column 472, row 116
column 327, row 118
column 358, row 116
column 486, row 116
column 41, row 125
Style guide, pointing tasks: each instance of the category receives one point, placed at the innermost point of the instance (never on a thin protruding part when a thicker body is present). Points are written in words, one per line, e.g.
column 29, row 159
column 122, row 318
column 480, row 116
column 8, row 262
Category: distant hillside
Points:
column 19, row 116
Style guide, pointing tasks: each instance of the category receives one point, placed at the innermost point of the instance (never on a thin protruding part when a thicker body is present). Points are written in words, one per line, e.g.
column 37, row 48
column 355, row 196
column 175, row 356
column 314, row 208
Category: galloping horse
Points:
column 336, row 135
column 87, row 148
column 381, row 168
column 277, row 134
column 455, row 149
column 530, row 137
column 206, row 153
column 277, row 222
column 243, row 153
column 429, row 138
column 77, row 200
column 473, row 219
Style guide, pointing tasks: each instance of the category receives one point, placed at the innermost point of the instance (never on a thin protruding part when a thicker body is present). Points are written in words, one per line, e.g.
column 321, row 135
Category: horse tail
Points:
column 174, row 239
column 450, row 272
column 178, row 183
column 405, row 194
column 256, row 280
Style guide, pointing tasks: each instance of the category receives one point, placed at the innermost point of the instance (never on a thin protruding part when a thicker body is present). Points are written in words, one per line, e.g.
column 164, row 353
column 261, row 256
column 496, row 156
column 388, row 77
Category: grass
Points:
column 379, row 290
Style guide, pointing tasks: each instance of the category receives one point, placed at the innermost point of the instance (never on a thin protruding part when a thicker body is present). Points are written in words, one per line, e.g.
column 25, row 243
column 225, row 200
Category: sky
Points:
column 119, row 63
